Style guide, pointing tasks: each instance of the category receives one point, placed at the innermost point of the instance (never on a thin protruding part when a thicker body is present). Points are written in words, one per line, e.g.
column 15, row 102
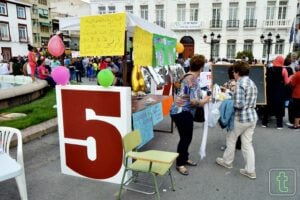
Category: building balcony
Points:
column 277, row 23
column 216, row 24
column 160, row 23
column 187, row 25
column 233, row 24
column 250, row 23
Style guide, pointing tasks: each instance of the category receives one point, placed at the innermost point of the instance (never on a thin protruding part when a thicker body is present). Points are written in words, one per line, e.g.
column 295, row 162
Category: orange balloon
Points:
column 179, row 47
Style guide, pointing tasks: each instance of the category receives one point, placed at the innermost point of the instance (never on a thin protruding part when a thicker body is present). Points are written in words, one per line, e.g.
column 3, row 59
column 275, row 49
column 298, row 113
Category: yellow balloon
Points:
column 179, row 47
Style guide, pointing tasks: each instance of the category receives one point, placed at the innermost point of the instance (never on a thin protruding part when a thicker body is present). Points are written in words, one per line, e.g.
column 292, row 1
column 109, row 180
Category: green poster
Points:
column 164, row 50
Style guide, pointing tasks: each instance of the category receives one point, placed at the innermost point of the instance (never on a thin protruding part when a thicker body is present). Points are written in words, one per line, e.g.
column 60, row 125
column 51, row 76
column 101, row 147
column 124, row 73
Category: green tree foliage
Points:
column 244, row 54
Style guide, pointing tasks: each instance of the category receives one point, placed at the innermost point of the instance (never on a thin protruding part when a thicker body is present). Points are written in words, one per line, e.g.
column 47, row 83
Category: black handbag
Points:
column 199, row 115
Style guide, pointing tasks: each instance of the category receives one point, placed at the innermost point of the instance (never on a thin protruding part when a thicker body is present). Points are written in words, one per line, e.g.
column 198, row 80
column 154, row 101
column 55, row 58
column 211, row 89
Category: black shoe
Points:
column 294, row 127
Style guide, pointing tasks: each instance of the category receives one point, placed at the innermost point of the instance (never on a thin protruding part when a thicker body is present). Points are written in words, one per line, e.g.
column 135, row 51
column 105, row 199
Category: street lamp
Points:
column 269, row 42
column 212, row 42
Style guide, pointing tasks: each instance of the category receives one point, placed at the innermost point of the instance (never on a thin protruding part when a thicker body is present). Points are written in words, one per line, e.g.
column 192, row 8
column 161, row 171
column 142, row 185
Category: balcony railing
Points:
column 215, row 23
column 187, row 25
column 250, row 23
column 276, row 23
column 233, row 23
column 160, row 23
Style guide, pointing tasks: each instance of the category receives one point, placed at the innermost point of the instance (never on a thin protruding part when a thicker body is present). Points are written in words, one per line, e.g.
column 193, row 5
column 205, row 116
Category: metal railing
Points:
column 215, row 23
column 250, row 23
column 233, row 23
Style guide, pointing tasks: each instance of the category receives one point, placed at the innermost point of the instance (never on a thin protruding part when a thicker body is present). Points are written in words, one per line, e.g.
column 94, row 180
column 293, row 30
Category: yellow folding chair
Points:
column 153, row 162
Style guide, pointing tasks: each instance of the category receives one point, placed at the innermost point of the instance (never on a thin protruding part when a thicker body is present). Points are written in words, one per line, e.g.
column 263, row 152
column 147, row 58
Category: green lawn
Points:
column 37, row 111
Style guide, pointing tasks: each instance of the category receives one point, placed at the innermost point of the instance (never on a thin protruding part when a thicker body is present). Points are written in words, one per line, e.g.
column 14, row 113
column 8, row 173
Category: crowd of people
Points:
column 37, row 65
column 282, row 90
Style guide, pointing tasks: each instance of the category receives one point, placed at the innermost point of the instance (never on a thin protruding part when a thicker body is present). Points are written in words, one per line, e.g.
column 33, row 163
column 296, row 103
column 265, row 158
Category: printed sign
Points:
column 92, row 121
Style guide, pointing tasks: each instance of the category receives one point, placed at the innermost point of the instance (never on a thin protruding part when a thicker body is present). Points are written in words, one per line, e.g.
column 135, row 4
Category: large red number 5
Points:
column 107, row 160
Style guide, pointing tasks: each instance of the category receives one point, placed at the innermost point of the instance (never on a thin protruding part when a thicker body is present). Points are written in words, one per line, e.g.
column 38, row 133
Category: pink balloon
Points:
column 56, row 46
column 60, row 75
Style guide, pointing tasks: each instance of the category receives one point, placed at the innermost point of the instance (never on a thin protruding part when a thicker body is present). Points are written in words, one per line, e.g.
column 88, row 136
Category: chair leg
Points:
column 172, row 180
column 121, row 186
column 156, row 186
column 21, row 183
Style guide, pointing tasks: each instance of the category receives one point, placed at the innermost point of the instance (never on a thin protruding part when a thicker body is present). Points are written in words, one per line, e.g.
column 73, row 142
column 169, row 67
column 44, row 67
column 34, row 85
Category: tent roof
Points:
column 73, row 24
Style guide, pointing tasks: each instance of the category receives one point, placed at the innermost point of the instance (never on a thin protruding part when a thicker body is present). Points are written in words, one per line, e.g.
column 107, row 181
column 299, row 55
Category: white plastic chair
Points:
column 9, row 167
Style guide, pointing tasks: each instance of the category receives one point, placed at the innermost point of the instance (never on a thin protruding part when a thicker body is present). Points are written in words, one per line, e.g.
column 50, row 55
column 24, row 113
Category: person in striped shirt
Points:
column 245, row 120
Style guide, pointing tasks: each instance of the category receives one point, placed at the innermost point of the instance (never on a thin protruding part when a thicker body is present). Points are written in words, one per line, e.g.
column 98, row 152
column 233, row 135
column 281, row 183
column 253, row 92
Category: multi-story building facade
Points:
column 239, row 24
column 15, row 28
column 41, row 22
column 68, row 8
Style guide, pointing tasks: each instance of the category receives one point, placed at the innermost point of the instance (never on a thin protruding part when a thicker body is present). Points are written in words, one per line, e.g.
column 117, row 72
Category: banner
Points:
column 102, row 35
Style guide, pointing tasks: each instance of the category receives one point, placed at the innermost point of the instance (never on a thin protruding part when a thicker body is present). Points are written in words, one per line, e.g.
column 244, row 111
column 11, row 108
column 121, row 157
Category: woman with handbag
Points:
column 183, row 110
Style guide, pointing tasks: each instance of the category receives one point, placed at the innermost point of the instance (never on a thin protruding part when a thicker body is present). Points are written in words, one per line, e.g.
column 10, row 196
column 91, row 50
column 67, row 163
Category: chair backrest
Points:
column 6, row 135
column 132, row 140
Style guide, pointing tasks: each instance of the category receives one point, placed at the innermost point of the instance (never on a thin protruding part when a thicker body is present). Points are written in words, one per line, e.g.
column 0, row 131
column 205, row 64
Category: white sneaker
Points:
column 220, row 161
column 248, row 174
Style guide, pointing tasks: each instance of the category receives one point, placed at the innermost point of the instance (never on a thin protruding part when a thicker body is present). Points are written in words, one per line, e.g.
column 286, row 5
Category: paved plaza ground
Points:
column 276, row 151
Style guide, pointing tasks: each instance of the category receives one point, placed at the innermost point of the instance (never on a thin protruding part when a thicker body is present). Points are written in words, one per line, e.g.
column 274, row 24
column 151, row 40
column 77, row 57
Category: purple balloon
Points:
column 60, row 75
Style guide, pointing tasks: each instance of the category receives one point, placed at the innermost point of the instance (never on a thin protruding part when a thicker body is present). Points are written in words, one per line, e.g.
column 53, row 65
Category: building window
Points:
column 43, row 13
column 144, row 12
column 270, row 10
column 232, row 18
column 44, row 29
column 248, row 45
column 4, row 31
column 181, row 12
column 194, row 12
column 43, row 2
column 111, row 9
column 22, row 33
column 129, row 9
column 250, row 11
column 3, row 8
column 36, row 38
column 215, row 50
column 231, row 47
column 279, row 47
column 159, row 11
column 21, row 12
column 216, row 16
column 282, row 10
column 101, row 10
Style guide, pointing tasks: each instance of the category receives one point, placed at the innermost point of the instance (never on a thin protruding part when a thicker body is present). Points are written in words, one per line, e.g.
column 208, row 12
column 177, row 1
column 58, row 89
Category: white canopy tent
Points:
column 73, row 24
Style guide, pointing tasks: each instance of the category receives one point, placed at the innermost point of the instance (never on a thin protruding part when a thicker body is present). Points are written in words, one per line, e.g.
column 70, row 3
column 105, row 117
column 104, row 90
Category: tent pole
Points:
column 124, row 63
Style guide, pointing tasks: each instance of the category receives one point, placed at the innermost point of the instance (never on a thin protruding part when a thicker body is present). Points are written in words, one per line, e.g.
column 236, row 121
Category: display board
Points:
column 257, row 74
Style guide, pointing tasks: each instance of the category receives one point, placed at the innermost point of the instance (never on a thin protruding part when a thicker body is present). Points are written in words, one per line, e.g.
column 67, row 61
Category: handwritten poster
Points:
column 142, row 45
column 102, row 35
column 164, row 50
column 156, row 113
column 142, row 120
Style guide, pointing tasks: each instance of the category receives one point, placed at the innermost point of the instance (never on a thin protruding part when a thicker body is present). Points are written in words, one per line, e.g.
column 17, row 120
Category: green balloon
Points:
column 105, row 77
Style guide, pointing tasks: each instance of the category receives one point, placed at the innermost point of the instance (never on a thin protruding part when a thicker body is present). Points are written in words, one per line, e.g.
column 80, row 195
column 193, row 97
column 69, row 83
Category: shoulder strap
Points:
column 187, row 74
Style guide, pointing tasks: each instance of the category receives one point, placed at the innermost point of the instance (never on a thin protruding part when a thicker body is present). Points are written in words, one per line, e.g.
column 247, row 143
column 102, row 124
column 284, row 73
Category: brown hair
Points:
column 197, row 62
column 242, row 68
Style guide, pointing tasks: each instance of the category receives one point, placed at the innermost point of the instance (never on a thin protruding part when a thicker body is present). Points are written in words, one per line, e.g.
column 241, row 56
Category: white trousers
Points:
column 245, row 130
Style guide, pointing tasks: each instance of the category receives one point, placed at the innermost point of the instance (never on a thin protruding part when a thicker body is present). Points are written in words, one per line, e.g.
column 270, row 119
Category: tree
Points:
column 244, row 54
